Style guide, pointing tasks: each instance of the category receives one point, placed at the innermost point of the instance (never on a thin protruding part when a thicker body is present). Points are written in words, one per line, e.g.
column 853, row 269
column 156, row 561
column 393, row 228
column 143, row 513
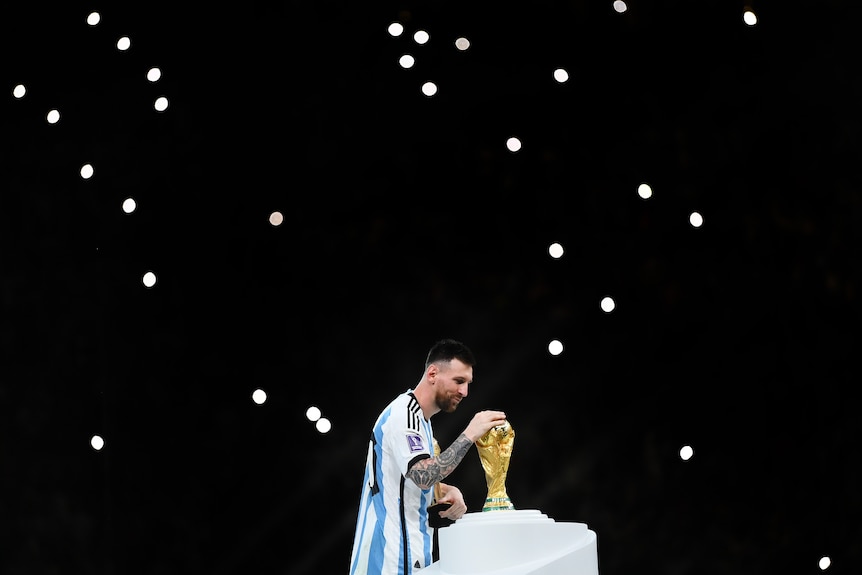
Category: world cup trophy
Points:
column 495, row 451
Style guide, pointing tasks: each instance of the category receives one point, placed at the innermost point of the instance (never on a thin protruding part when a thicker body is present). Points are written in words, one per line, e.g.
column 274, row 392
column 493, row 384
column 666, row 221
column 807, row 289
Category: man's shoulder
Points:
column 403, row 400
column 403, row 407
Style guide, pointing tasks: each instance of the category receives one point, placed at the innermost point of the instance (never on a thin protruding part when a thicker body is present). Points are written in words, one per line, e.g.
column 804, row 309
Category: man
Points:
column 393, row 535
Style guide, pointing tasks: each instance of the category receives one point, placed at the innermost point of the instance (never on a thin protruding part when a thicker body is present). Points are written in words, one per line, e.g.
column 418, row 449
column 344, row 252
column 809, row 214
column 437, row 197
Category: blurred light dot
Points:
column 259, row 396
column 645, row 191
column 53, row 117
column 421, row 37
column 686, row 452
column 149, row 279
column 406, row 61
column 312, row 413
column 695, row 219
column 556, row 250
column 124, row 43
column 153, row 74
column 129, row 205
column 514, row 144
column 97, row 442
column 161, row 104
column 93, row 18
column 555, row 347
column 323, row 425
column 824, row 563
column 19, row 91
column 87, row 171
column 749, row 17
column 608, row 304
column 560, row 75
column 429, row 88
column 276, row 218
column 395, row 29
column 462, row 44
column 620, row 6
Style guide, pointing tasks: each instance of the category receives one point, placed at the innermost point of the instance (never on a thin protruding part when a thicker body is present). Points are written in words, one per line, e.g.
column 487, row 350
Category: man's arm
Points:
column 429, row 471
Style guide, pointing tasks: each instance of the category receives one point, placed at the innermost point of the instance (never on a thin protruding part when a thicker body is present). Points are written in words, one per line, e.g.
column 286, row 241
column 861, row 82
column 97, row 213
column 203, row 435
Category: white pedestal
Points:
column 515, row 542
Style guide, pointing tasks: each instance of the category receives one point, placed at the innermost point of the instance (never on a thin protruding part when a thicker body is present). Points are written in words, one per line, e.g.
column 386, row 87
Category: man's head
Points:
column 449, row 369
column 445, row 350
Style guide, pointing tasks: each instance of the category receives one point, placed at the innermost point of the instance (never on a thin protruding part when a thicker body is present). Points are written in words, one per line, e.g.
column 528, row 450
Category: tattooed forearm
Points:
column 428, row 472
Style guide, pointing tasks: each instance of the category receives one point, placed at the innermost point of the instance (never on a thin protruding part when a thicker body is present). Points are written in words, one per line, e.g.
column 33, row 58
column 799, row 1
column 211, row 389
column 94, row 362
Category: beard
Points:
column 448, row 402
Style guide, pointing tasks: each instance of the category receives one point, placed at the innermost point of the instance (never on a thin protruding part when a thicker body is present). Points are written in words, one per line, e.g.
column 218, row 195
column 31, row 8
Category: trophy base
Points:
column 498, row 504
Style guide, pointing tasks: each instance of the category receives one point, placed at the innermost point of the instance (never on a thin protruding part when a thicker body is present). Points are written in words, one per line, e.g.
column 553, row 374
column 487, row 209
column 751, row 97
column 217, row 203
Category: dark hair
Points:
column 449, row 349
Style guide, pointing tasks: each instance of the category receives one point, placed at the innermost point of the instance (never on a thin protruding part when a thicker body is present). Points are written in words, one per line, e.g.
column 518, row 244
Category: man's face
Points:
column 452, row 383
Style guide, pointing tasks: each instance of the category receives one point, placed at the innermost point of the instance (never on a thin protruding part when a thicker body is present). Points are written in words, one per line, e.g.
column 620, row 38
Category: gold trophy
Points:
column 495, row 450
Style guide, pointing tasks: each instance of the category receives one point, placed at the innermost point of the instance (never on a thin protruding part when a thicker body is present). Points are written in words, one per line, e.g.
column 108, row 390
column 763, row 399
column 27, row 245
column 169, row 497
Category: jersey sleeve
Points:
column 407, row 437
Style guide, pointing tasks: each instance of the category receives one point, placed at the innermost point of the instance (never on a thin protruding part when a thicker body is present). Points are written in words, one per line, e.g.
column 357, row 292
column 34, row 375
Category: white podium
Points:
column 515, row 542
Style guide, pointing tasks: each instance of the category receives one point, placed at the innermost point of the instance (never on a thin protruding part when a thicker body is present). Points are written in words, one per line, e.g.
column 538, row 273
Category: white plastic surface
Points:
column 515, row 542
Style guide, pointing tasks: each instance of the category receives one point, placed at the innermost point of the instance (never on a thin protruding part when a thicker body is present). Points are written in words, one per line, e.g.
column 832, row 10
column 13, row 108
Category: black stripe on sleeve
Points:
column 419, row 457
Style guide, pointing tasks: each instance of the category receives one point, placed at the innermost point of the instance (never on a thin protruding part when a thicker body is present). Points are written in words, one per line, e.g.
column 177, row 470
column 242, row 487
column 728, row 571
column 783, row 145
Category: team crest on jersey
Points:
column 414, row 442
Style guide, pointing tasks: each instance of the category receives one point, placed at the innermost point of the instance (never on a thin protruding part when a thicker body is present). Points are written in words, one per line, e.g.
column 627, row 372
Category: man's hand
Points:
column 482, row 422
column 453, row 496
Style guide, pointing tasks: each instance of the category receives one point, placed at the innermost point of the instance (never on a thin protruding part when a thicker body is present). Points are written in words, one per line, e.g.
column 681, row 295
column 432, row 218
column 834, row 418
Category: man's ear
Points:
column 432, row 372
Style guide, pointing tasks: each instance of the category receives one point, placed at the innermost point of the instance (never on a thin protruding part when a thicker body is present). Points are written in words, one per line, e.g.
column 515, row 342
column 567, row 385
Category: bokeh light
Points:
column 686, row 452
column 312, row 413
column 129, row 205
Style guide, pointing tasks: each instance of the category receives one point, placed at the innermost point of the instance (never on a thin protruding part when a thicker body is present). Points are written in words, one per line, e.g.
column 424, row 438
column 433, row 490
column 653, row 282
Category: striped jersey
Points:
column 392, row 532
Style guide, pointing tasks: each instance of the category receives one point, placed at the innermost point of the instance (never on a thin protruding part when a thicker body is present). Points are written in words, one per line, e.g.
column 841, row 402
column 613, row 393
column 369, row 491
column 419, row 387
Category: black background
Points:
column 407, row 220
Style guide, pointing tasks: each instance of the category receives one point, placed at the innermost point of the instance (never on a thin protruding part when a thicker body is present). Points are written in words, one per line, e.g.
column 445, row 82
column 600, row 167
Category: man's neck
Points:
column 424, row 394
